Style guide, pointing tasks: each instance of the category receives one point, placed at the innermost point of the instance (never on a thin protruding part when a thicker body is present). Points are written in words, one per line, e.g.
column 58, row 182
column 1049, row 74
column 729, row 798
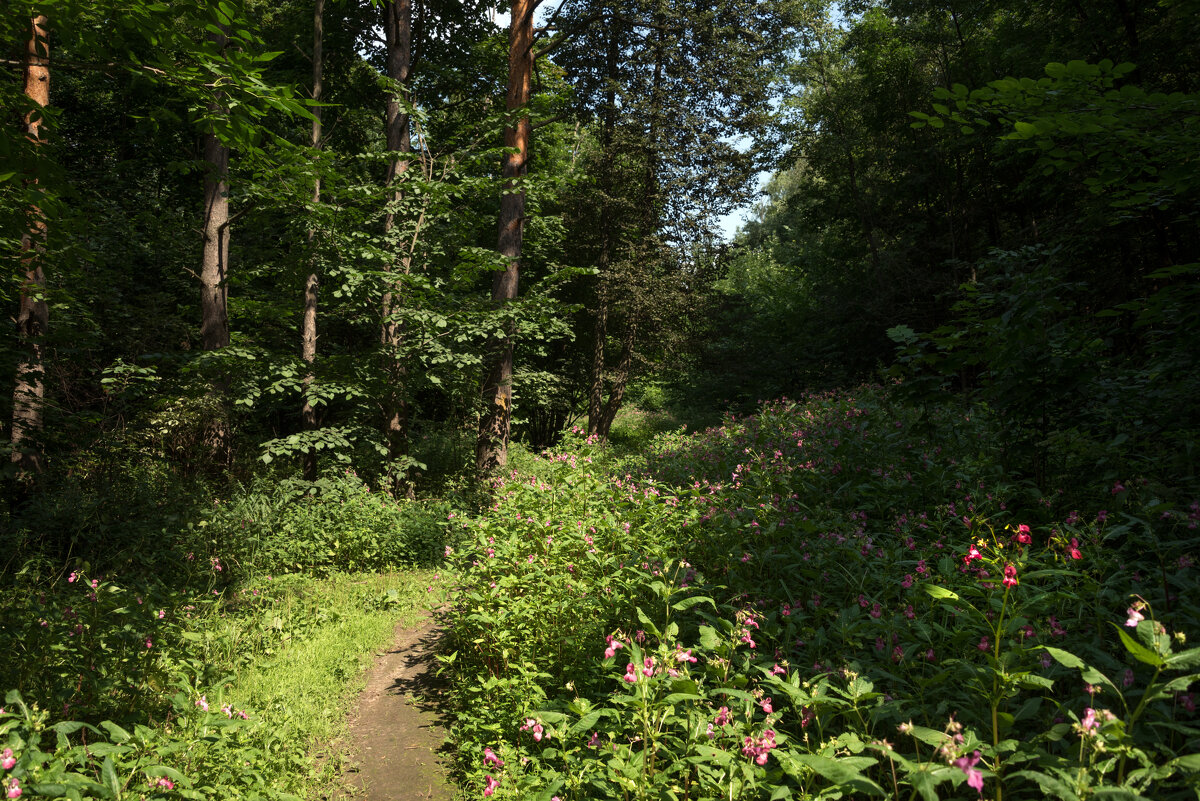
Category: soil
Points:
column 398, row 748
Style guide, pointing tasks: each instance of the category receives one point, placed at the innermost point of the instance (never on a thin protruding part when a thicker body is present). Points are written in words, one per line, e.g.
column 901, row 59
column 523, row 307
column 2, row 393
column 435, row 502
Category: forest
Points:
column 768, row 399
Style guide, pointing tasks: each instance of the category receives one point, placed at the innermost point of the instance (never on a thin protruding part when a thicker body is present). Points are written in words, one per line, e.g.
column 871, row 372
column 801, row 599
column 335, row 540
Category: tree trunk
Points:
column 600, row 323
column 616, row 397
column 491, row 448
column 398, row 33
column 308, row 326
column 599, row 334
column 33, row 315
column 214, row 260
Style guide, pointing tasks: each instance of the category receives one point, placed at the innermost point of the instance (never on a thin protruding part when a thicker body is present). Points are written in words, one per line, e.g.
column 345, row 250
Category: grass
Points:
column 306, row 686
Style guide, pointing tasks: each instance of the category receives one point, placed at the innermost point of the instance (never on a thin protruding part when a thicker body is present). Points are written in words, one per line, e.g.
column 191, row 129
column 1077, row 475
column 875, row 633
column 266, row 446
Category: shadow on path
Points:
column 397, row 731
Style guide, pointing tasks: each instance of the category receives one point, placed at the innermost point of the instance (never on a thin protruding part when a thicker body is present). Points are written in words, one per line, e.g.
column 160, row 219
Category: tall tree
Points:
column 308, row 326
column 34, row 313
column 491, row 448
column 214, row 258
column 398, row 28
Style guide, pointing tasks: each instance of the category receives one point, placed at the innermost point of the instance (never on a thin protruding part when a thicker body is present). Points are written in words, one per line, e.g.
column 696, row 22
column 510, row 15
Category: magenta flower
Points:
column 967, row 765
column 984, row 643
column 7, row 760
column 1010, row 575
column 490, row 758
column 630, row 673
column 492, row 784
column 1089, row 722
column 1023, row 535
column 1135, row 617
column 613, row 646
column 766, row 705
column 14, row 789
column 972, row 555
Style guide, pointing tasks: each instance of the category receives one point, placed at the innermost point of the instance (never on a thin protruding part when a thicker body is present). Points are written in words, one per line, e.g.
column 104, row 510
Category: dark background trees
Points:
column 1025, row 241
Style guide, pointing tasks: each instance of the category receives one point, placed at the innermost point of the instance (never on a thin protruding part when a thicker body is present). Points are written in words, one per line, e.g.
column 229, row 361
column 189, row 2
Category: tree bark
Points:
column 214, row 259
column 308, row 327
column 616, row 396
column 398, row 34
column 600, row 322
column 33, row 315
column 491, row 448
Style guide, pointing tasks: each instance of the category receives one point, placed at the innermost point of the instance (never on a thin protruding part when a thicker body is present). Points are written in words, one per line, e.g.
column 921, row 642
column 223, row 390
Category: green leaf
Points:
column 108, row 775
column 1184, row 659
column 838, row 771
column 941, row 592
column 1139, row 652
column 1065, row 658
column 115, row 732
column 688, row 603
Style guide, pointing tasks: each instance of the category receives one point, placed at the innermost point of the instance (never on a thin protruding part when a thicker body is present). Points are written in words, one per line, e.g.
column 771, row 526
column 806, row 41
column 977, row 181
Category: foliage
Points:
column 822, row 599
column 135, row 689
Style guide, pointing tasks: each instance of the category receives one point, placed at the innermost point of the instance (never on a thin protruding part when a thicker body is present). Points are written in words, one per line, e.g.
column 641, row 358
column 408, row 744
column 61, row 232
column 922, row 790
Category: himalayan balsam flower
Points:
column 490, row 758
column 967, row 765
column 613, row 646
column 766, row 705
column 1023, row 535
column 14, row 789
column 165, row 783
column 1010, row 575
column 1075, row 552
column 202, row 702
column 492, row 784
column 630, row 673
column 1135, row 617
column 7, row 760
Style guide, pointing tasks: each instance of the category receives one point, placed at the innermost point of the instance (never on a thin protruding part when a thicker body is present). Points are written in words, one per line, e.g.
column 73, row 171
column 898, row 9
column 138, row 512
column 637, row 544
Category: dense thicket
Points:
column 1018, row 180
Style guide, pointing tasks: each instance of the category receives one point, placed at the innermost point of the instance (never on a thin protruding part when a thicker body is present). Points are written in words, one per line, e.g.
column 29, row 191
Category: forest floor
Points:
column 397, row 733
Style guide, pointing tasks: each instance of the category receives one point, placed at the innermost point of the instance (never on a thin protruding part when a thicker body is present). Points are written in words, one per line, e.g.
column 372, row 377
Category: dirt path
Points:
column 397, row 735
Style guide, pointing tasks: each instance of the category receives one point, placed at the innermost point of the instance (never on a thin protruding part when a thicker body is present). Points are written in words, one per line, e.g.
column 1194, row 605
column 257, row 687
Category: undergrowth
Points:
column 831, row 598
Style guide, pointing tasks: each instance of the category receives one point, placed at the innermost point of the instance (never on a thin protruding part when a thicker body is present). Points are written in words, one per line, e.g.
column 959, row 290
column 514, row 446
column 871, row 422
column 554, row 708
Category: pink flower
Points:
column 592, row 743
column 630, row 673
column 909, row 612
column 1023, row 535
column 71, row 578
column 7, row 760
column 1118, row 488
column 613, row 646
column 165, row 783
column 492, row 784
column 1089, row 722
column 967, row 765
column 535, row 727
column 972, row 555
column 766, row 705
column 1075, row 553
column 685, row 656
column 1010, row 575
column 908, row 581
column 490, row 758
column 149, row 643
column 1135, row 617
column 984, row 643
column 723, row 716
column 776, row 670
column 877, row 610
column 14, row 789
column 202, row 702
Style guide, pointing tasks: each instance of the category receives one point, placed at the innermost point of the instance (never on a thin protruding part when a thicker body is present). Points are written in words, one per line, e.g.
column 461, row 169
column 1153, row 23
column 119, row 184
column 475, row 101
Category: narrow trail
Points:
column 397, row 734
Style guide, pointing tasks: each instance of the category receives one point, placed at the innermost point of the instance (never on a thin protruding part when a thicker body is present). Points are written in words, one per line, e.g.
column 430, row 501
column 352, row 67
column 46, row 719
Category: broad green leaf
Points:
column 839, row 771
column 1137, row 650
